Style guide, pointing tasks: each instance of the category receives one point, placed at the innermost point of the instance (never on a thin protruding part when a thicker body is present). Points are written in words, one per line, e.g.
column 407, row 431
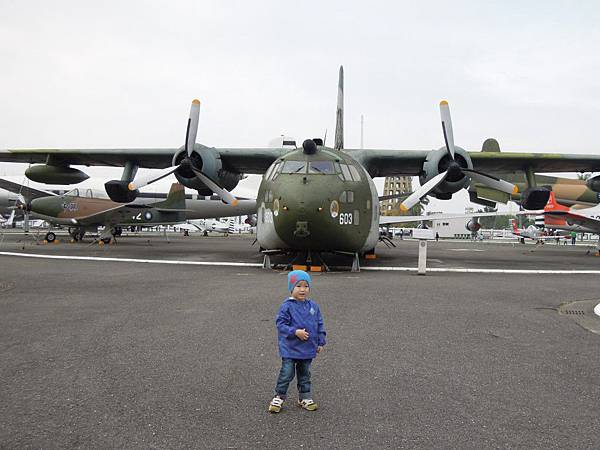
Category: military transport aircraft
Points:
column 314, row 198
column 83, row 210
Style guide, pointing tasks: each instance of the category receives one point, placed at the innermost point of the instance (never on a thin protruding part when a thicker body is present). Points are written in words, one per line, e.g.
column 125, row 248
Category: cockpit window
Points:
column 325, row 167
column 276, row 170
column 355, row 173
column 73, row 193
column 294, row 167
column 270, row 170
column 346, row 172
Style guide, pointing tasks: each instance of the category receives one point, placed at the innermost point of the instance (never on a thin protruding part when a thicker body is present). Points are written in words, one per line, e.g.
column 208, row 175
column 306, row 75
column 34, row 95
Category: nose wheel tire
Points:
column 50, row 236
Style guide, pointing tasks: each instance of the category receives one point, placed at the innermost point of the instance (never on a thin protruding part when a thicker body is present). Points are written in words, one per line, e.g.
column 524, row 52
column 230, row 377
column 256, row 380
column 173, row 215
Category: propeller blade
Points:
column 151, row 178
column 492, row 182
column 414, row 198
column 192, row 128
column 225, row 195
column 447, row 127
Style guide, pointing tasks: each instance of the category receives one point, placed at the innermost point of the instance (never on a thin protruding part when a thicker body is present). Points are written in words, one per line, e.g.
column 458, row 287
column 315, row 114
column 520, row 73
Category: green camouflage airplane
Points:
column 315, row 198
column 84, row 211
column 568, row 191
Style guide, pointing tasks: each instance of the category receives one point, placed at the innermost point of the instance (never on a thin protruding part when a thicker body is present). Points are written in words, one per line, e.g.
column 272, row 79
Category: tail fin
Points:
column 553, row 205
column 175, row 199
column 339, row 114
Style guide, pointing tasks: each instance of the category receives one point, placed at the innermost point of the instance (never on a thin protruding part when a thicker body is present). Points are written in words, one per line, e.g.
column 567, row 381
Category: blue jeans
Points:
column 286, row 375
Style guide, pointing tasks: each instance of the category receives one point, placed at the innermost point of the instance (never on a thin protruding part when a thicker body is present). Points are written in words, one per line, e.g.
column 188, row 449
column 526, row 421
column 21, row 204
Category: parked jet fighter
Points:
column 82, row 211
column 559, row 217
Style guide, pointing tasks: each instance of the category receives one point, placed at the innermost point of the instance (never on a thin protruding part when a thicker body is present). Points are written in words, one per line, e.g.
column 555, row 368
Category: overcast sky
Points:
column 122, row 74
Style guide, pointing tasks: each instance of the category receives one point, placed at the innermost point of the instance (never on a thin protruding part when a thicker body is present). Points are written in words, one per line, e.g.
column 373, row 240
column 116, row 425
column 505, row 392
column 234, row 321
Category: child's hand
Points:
column 302, row 334
column 319, row 348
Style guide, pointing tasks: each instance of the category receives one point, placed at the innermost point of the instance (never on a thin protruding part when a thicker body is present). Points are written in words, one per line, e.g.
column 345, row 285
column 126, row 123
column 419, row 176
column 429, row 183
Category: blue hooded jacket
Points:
column 292, row 315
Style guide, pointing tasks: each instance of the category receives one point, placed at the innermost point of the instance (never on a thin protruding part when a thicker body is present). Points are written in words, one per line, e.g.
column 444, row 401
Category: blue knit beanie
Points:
column 295, row 277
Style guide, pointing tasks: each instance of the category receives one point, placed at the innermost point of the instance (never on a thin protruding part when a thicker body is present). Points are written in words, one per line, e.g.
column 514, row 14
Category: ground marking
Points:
column 135, row 260
column 597, row 309
column 242, row 264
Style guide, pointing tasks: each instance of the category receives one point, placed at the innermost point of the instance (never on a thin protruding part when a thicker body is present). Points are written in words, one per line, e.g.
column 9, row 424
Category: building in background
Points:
column 395, row 186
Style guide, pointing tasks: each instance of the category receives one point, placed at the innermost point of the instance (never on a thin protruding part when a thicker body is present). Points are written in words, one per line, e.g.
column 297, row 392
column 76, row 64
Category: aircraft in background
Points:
column 206, row 226
column 534, row 233
column 559, row 217
column 313, row 199
column 568, row 191
column 84, row 211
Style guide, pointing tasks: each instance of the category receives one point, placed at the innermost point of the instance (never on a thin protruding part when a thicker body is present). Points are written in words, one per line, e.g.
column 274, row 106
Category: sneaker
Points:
column 308, row 404
column 276, row 404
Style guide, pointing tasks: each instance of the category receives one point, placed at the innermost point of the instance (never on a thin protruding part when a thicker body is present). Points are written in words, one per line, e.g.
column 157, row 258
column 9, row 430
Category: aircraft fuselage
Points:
column 319, row 202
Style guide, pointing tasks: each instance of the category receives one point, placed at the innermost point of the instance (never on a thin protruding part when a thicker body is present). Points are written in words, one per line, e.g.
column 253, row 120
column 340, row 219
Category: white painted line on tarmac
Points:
column 134, row 260
column 242, row 264
column 597, row 309
column 465, row 270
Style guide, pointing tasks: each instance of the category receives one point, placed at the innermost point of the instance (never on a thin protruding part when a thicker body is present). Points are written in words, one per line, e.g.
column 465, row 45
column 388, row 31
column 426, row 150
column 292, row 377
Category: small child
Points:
column 301, row 335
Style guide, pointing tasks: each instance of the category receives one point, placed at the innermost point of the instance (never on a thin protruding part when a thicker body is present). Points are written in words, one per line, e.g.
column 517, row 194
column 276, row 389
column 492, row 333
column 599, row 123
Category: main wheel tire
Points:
column 50, row 236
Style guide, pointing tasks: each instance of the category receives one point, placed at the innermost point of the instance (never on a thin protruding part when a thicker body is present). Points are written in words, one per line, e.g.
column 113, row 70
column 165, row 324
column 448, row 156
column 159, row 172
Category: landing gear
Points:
column 50, row 237
column 76, row 234
column 355, row 263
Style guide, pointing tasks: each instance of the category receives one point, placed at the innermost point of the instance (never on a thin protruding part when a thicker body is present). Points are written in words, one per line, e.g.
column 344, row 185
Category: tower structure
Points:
column 394, row 186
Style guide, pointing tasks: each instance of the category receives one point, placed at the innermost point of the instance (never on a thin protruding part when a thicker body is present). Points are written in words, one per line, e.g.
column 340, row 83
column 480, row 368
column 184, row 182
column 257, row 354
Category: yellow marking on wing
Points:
column 234, row 202
column 403, row 208
column 443, row 103
column 515, row 190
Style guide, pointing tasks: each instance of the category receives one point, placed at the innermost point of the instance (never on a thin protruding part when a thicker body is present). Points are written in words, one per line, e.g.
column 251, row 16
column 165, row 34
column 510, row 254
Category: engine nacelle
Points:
column 594, row 183
column 119, row 192
column 7, row 199
column 209, row 162
column 473, row 225
column 438, row 161
column 49, row 174
column 535, row 197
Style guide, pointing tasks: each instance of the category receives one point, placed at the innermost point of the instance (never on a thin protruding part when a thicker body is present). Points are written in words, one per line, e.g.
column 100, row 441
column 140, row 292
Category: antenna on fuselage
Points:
column 339, row 114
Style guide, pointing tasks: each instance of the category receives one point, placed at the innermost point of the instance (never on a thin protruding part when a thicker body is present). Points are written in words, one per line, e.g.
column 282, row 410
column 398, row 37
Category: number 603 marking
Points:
column 346, row 219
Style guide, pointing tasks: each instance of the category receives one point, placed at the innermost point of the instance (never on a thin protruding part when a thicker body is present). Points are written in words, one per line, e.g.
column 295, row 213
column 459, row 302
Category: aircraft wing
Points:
column 27, row 192
column 241, row 160
column 385, row 220
column 378, row 162
column 382, row 163
column 572, row 218
column 111, row 215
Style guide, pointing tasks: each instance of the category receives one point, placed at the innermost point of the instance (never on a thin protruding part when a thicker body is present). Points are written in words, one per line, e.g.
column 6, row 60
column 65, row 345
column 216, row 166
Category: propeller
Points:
column 190, row 140
column 454, row 169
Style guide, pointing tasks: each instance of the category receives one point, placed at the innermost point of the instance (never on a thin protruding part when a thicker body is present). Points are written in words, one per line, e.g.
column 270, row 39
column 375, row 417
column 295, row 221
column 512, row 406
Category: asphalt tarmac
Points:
column 123, row 354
